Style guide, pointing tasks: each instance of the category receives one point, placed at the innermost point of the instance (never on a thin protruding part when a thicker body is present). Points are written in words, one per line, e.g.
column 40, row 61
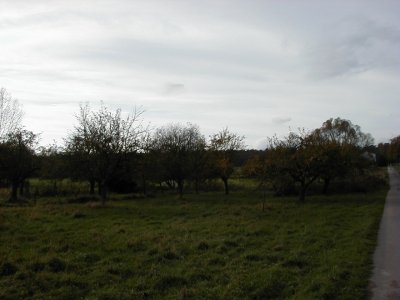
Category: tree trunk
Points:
column 180, row 188
column 104, row 192
column 21, row 188
column 303, row 189
column 226, row 186
column 14, row 191
column 144, row 185
column 27, row 189
column 196, row 185
column 55, row 187
column 302, row 195
column 264, row 200
column 92, row 186
column 326, row 186
column 304, row 185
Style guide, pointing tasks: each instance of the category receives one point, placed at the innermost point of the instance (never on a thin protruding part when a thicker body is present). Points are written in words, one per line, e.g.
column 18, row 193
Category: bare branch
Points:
column 10, row 114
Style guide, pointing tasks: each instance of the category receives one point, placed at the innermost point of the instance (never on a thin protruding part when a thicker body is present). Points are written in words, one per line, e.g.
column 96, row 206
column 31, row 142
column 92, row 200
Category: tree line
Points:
column 112, row 151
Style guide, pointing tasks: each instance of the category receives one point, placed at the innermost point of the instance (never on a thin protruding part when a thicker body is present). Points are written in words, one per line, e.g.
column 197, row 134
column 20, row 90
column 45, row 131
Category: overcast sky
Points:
column 258, row 67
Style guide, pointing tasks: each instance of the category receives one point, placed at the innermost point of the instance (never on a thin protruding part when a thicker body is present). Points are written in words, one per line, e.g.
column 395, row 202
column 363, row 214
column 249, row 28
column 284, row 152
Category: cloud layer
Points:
column 258, row 67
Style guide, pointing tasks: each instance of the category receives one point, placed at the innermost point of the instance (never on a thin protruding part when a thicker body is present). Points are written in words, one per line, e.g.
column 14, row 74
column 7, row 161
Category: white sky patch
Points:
column 257, row 67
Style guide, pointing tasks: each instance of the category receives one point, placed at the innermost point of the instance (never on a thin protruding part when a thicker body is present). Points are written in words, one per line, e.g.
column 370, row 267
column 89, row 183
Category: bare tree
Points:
column 101, row 142
column 10, row 114
column 178, row 148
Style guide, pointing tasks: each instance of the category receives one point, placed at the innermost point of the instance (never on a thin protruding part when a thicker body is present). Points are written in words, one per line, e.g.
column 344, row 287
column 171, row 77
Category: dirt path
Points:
column 385, row 280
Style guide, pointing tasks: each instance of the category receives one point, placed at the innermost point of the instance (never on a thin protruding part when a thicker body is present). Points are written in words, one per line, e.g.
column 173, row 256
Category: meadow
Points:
column 205, row 246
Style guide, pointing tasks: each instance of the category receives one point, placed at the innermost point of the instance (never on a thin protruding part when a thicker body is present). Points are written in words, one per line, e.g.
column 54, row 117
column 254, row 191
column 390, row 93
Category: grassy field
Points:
column 202, row 247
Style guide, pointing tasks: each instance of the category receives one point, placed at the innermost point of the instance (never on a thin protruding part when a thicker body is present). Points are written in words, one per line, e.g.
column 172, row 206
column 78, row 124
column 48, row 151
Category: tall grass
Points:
column 205, row 246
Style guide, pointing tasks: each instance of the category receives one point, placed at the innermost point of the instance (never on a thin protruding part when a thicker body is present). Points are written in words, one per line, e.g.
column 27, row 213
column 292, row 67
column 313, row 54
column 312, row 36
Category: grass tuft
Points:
column 56, row 265
column 7, row 269
column 170, row 281
column 203, row 246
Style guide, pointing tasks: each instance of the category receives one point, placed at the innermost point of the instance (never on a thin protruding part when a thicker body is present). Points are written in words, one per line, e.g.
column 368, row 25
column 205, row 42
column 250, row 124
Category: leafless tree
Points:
column 10, row 114
column 101, row 141
column 178, row 147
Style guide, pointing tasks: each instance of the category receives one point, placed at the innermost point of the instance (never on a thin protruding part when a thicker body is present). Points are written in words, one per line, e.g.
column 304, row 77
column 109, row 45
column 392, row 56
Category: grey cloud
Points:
column 173, row 88
column 248, row 65
column 179, row 57
column 354, row 46
column 281, row 120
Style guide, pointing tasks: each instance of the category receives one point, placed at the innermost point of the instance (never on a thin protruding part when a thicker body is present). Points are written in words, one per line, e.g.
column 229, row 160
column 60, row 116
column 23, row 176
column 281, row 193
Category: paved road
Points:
column 385, row 281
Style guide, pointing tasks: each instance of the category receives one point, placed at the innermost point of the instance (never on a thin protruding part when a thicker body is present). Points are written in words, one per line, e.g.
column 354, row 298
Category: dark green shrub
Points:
column 84, row 199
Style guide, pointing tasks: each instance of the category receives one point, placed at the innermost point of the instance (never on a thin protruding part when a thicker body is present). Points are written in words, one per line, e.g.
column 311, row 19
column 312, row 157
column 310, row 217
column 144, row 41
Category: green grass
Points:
column 203, row 247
